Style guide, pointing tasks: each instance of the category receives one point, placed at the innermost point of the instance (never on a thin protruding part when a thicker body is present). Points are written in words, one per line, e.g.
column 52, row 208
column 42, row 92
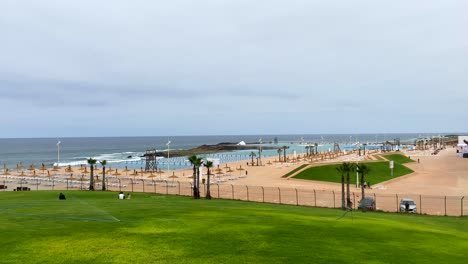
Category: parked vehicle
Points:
column 368, row 203
column 407, row 205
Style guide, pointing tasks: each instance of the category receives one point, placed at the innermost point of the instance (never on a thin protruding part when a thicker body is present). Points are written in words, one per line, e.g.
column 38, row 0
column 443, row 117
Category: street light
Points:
column 58, row 152
column 168, row 147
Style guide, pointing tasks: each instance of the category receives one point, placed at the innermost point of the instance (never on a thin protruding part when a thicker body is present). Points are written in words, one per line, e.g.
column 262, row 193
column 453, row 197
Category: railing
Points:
column 426, row 204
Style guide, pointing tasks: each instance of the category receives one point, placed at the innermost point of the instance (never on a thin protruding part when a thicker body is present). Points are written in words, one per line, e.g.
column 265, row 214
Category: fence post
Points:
column 445, row 202
column 297, row 197
column 232, row 190
column 178, row 184
column 154, row 185
column 263, row 194
column 397, row 208
column 167, row 187
column 279, row 194
column 120, row 185
column 247, row 187
column 334, row 202
column 53, row 183
column 315, row 198
column 462, row 205
column 354, row 201
column 375, row 201
column 67, row 185
column 131, row 181
column 420, row 204
column 143, row 182
column 218, row 190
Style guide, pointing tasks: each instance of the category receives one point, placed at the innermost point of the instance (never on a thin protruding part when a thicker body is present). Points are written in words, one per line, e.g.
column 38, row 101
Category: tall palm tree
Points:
column 307, row 150
column 208, row 164
column 91, row 163
column 103, row 164
column 252, row 155
column 284, row 152
column 348, row 168
column 196, row 163
column 279, row 154
column 342, row 170
column 363, row 170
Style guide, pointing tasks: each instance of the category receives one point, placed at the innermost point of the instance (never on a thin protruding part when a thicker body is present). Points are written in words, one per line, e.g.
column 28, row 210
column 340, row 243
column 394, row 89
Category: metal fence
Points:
column 426, row 204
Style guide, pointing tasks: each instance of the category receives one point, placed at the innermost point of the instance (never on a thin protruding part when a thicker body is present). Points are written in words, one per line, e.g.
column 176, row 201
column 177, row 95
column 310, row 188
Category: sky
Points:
column 228, row 67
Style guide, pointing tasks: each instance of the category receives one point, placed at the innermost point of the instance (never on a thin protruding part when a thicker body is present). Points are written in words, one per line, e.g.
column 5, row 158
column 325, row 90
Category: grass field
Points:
column 398, row 158
column 95, row 227
column 379, row 172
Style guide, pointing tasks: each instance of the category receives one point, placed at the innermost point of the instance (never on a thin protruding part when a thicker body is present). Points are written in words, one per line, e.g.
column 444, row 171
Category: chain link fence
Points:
column 426, row 204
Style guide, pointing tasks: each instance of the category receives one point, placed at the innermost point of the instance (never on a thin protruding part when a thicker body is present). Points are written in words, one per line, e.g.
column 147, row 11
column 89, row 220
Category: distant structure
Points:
column 275, row 141
column 150, row 156
column 336, row 147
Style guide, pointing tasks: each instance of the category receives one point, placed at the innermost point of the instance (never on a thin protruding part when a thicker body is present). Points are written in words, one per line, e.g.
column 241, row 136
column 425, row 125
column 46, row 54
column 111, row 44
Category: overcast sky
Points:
column 215, row 67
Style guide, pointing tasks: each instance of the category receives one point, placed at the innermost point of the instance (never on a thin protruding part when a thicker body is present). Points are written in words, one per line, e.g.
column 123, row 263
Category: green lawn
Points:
column 95, row 227
column 379, row 172
column 398, row 158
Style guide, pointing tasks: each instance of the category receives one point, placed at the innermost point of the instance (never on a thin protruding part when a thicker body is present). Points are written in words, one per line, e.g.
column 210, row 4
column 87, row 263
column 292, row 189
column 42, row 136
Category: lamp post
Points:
column 58, row 152
column 168, row 147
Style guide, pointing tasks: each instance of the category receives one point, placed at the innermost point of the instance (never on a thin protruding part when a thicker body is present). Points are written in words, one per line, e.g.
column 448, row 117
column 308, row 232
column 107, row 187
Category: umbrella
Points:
column 19, row 166
column 173, row 176
column 69, row 169
column 240, row 169
column 6, row 172
column 126, row 170
column 71, row 178
column 31, row 167
column 160, row 172
column 22, row 174
column 55, row 168
column 229, row 170
column 5, row 168
column 117, row 173
column 43, row 168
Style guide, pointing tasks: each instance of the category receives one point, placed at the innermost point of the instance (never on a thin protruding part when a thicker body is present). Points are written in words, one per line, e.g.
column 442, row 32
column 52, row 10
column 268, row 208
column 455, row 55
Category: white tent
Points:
column 242, row 143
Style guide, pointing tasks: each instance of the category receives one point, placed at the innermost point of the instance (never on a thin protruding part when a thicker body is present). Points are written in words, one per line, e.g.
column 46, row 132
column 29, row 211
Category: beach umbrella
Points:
column 269, row 162
column 117, row 173
column 19, row 167
column 71, row 178
column 126, row 170
column 22, row 174
column 31, row 167
column 173, row 176
column 43, row 168
column 5, row 168
column 160, row 172
column 240, row 169
column 229, row 170
column 6, row 173
column 69, row 169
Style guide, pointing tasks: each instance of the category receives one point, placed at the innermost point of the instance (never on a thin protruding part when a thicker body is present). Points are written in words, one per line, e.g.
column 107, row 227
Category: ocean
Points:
column 126, row 151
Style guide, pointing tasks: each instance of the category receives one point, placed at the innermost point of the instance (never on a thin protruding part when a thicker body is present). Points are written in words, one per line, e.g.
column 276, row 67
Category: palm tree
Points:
column 307, row 150
column 284, row 152
column 103, row 164
column 348, row 168
column 208, row 164
column 91, row 163
column 196, row 162
column 252, row 155
column 363, row 170
column 342, row 170
column 279, row 154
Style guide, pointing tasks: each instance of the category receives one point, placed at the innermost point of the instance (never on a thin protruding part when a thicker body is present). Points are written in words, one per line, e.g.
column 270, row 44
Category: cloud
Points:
column 295, row 60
